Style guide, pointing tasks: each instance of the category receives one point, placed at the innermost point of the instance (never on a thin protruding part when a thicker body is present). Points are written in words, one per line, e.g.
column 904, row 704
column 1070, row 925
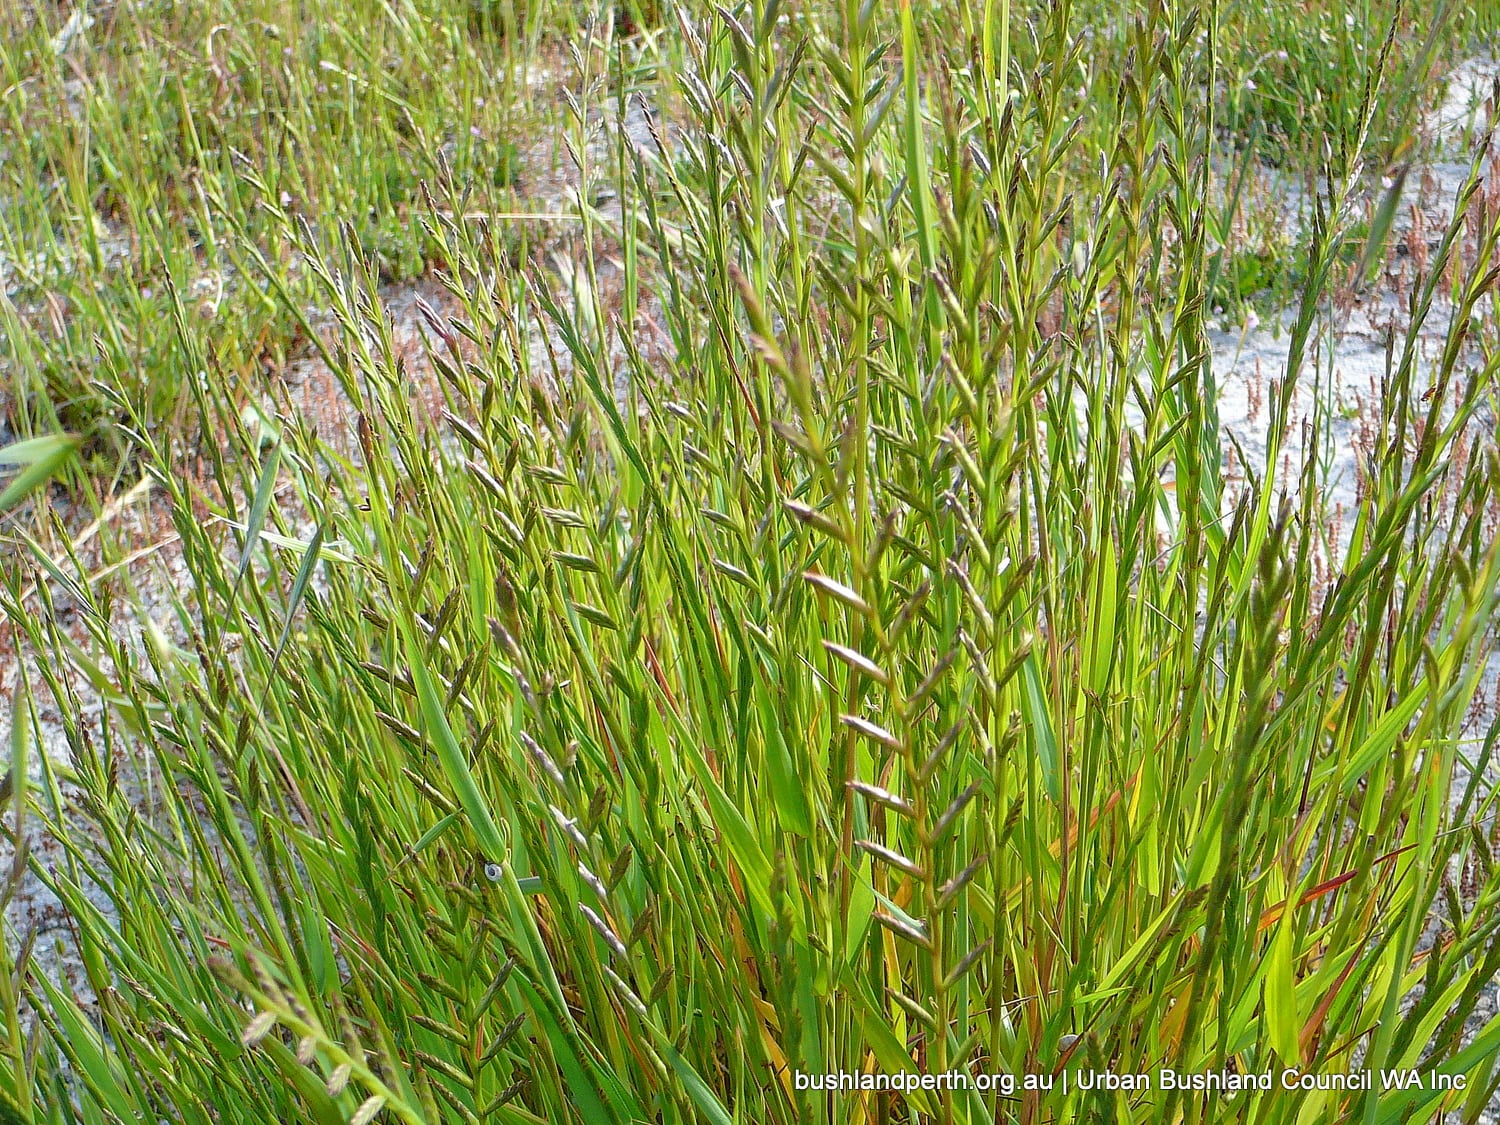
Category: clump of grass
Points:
column 141, row 140
column 1297, row 75
column 868, row 674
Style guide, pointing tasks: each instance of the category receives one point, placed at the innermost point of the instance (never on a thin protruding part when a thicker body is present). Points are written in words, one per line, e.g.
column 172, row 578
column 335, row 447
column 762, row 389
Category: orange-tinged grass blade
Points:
column 1313, row 1029
column 1109, row 804
column 1272, row 914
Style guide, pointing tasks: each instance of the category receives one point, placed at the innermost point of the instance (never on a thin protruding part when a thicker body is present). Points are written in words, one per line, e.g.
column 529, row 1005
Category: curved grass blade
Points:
column 43, row 458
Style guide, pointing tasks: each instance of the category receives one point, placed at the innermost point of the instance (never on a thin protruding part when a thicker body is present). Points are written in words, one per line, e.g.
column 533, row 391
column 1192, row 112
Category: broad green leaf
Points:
column 450, row 754
column 787, row 789
column 34, row 451
column 299, row 588
column 1380, row 226
column 43, row 458
column 1103, row 638
column 698, row 1090
column 260, row 505
column 1279, row 994
column 861, row 907
column 1383, row 738
column 1034, row 709
column 309, row 1086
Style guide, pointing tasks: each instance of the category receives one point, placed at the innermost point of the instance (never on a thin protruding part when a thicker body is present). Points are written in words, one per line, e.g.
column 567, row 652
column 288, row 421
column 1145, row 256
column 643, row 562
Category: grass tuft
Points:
column 791, row 620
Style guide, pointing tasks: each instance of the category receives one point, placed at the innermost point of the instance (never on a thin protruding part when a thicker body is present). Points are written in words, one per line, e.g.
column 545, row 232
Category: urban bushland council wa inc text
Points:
column 1289, row 1080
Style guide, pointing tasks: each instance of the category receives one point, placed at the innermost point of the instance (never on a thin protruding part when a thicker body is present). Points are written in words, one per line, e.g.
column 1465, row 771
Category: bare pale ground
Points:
column 1345, row 366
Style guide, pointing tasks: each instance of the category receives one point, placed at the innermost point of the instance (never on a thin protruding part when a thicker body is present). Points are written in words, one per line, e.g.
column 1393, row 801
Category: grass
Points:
column 816, row 635
column 1298, row 75
column 143, row 139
